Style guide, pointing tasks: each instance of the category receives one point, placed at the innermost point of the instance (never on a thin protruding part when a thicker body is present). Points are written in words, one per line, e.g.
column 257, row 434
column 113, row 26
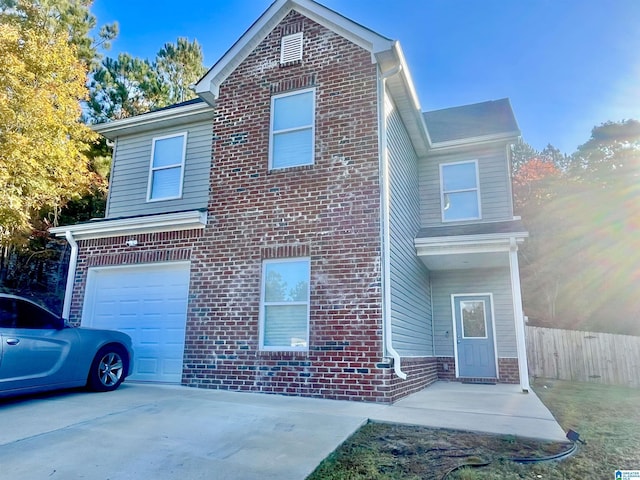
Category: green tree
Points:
column 70, row 17
column 180, row 65
column 611, row 157
column 128, row 86
column 125, row 87
column 580, row 265
column 43, row 144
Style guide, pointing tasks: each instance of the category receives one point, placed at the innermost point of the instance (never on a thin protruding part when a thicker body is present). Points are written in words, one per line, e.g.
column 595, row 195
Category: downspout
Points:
column 71, row 274
column 386, row 234
column 521, row 344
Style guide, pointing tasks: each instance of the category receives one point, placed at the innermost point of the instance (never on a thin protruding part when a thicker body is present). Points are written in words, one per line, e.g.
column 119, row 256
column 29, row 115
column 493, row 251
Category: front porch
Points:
column 478, row 324
column 501, row 409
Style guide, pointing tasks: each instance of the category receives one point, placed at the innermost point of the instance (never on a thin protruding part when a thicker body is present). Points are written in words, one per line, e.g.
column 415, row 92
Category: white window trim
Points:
column 272, row 133
column 263, row 304
column 297, row 54
column 175, row 165
column 442, row 192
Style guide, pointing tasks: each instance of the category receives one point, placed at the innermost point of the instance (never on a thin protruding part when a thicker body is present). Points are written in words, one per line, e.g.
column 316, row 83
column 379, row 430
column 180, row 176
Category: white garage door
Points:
column 149, row 302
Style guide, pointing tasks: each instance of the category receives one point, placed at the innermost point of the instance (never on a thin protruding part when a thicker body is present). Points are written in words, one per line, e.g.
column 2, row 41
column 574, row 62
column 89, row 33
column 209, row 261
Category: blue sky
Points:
column 566, row 65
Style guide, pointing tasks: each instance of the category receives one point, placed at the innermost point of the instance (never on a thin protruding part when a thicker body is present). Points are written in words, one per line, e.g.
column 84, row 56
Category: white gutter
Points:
column 385, row 233
column 187, row 220
column 71, row 275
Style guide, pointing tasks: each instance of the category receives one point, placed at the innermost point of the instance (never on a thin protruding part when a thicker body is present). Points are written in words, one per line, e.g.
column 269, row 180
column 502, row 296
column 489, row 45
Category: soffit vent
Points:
column 291, row 48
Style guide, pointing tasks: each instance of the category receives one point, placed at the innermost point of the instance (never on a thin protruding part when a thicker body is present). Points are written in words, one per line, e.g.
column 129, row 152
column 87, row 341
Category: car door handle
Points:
column 13, row 341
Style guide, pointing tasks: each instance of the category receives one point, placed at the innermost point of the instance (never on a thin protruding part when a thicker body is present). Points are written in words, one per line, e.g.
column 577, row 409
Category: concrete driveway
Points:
column 161, row 432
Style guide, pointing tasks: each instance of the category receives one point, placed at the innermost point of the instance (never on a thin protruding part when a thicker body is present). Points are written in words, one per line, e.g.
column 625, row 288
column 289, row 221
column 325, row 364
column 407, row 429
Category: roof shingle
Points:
column 471, row 121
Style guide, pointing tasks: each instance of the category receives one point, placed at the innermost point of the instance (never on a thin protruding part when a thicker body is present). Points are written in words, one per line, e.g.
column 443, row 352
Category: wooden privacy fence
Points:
column 583, row 356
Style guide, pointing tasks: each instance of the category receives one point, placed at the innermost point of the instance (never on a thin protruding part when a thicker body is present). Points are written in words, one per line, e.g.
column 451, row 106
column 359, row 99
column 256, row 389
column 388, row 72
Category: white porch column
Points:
column 518, row 315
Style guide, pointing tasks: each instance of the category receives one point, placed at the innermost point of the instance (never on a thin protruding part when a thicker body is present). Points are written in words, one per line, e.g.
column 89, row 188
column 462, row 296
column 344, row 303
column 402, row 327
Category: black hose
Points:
column 550, row 458
column 523, row 460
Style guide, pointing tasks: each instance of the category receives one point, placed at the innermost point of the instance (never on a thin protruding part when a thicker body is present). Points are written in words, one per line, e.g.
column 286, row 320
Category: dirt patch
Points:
column 388, row 451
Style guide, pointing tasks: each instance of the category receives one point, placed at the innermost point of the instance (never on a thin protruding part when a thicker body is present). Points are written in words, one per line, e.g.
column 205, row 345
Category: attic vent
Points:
column 291, row 48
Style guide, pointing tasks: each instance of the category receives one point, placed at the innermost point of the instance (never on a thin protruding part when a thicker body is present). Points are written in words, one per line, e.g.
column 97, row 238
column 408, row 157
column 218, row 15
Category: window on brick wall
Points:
column 167, row 167
column 284, row 306
column 292, row 129
column 460, row 191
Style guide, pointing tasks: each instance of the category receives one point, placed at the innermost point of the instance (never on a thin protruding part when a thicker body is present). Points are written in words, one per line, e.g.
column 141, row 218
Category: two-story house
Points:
column 303, row 228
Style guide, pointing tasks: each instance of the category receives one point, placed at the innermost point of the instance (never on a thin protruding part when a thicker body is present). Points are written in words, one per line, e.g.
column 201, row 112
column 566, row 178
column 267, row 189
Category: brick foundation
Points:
column 507, row 367
column 509, row 372
column 421, row 372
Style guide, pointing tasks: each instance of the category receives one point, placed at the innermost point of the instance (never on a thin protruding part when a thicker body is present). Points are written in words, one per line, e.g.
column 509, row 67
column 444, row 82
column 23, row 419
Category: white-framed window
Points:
column 292, row 129
column 291, row 48
column 460, row 191
column 473, row 319
column 284, row 304
column 166, row 172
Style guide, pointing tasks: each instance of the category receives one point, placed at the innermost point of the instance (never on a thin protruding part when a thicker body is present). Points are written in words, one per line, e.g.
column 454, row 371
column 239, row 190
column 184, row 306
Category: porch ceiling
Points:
column 460, row 261
column 468, row 246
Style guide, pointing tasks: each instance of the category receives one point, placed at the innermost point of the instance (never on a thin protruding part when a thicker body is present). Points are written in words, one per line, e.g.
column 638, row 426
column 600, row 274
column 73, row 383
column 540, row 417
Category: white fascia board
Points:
column 352, row 31
column 400, row 87
column 208, row 87
column 475, row 141
column 468, row 244
column 153, row 120
column 167, row 222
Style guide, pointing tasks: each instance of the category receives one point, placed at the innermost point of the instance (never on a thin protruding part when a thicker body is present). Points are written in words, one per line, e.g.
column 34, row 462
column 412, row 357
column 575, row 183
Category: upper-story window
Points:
column 167, row 167
column 292, row 129
column 284, row 306
column 460, row 190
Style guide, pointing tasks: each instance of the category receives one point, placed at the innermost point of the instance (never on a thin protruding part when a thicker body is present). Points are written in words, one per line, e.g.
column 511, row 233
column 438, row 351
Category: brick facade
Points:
column 112, row 251
column 328, row 211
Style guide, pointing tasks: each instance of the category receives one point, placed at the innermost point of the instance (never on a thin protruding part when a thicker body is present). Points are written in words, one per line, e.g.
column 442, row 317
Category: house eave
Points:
column 154, row 120
column 167, row 222
column 508, row 137
column 403, row 92
column 496, row 242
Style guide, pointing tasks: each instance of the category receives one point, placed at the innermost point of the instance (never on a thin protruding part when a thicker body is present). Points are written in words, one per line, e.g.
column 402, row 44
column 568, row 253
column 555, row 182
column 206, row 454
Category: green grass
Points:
column 608, row 418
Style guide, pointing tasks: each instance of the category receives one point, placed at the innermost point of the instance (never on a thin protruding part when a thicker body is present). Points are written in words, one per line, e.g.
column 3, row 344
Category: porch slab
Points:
column 500, row 409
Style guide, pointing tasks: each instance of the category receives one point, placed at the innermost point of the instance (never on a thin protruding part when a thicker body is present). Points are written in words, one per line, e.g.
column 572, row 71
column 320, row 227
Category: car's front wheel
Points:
column 108, row 369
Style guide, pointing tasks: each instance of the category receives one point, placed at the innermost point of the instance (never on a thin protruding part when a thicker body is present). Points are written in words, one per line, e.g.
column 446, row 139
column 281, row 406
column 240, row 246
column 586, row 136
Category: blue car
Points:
column 39, row 352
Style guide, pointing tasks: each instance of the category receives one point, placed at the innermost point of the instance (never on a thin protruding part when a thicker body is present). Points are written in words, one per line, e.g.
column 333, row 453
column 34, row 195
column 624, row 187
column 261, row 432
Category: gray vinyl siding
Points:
column 495, row 281
column 130, row 173
column 410, row 291
column 495, row 186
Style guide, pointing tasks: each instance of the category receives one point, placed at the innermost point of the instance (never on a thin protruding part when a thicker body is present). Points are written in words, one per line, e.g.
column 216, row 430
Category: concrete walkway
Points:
column 160, row 432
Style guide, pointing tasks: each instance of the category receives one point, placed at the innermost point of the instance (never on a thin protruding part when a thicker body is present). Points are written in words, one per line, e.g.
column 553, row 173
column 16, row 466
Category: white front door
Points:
column 475, row 347
column 148, row 302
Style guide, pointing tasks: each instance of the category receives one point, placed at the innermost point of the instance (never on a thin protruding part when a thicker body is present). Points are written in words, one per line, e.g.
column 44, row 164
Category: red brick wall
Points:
column 507, row 368
column 509, row 372
column 151, row 248
column 421, row 372
column 328, row 211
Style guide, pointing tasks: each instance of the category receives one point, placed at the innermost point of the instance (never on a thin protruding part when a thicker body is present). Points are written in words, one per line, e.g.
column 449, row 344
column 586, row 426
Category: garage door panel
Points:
column 149, row 303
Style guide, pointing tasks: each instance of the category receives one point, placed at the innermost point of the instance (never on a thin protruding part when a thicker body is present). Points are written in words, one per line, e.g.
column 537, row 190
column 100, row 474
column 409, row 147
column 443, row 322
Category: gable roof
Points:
column 386, row 53
column 491, row 120
column 208, row 86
